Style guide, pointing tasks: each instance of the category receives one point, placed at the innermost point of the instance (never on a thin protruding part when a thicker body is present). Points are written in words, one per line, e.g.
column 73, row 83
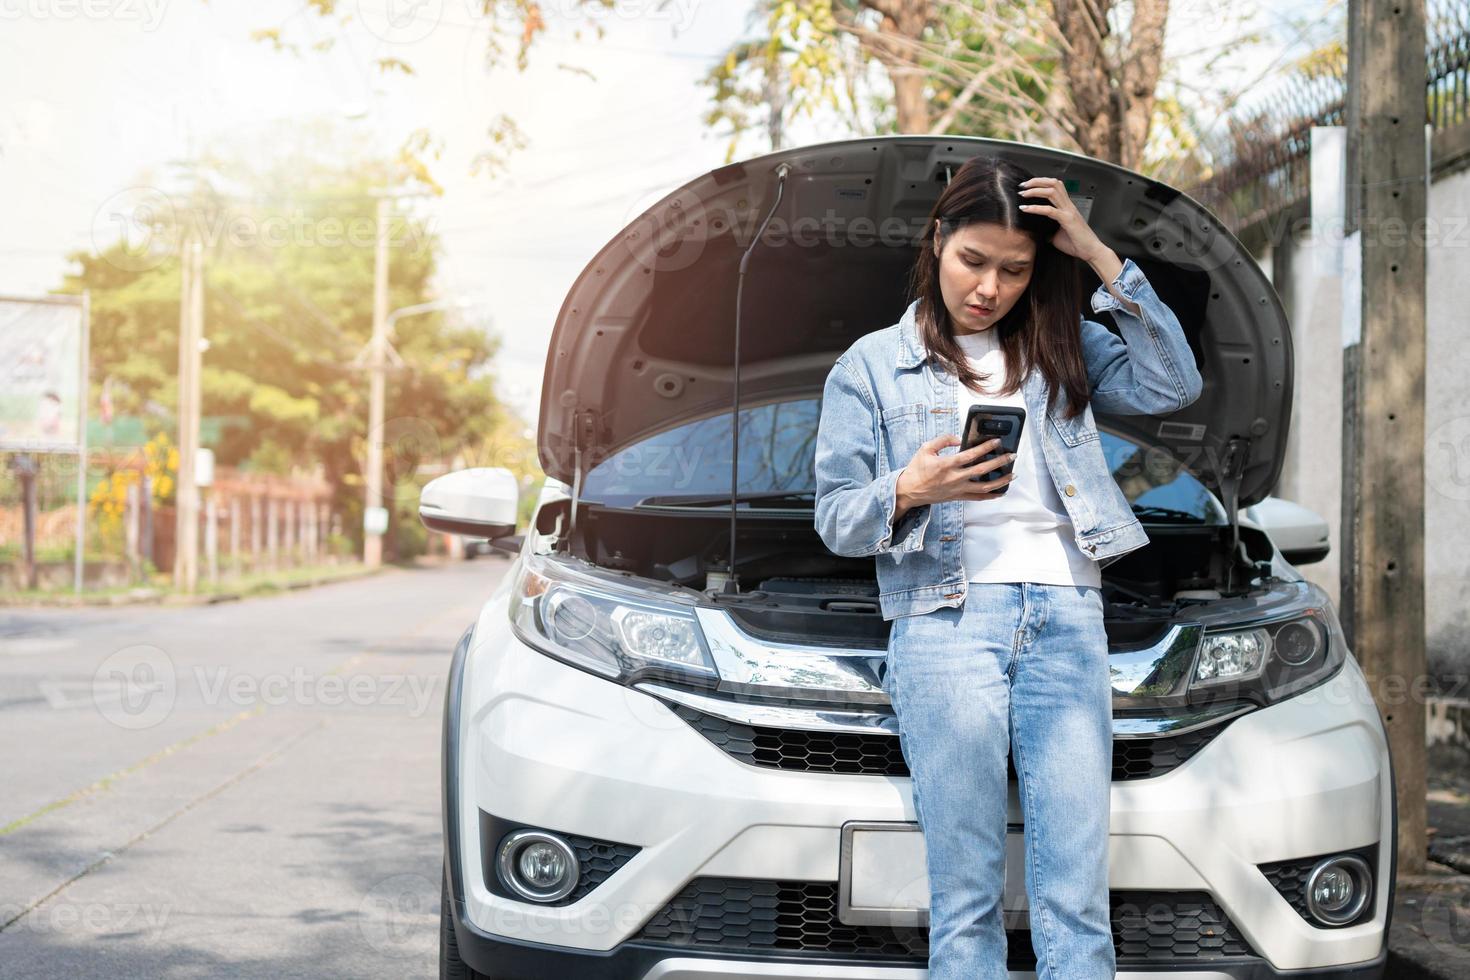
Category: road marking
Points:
column 107, row 856
column 29, row 646
column 106, row 781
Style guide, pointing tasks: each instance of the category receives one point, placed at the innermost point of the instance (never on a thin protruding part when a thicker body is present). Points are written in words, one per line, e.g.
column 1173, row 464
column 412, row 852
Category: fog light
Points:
column 538, row 866
column 1337, row 889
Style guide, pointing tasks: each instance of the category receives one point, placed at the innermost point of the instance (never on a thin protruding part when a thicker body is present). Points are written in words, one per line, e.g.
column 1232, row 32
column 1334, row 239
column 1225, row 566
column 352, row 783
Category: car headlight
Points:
column 1274, row 659
column 587, row 620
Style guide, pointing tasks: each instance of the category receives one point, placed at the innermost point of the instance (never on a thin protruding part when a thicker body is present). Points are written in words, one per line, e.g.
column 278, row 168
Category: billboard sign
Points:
column 41, row 367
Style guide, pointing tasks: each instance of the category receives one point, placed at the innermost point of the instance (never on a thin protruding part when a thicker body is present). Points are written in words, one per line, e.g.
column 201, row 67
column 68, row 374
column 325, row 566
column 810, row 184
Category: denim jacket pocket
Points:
column 1073, row 431
column 903, row 429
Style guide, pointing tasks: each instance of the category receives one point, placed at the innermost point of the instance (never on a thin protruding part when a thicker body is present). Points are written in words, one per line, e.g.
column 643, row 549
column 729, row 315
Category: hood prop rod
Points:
column 1237, row 451
column 584, row 429
column 732, row 581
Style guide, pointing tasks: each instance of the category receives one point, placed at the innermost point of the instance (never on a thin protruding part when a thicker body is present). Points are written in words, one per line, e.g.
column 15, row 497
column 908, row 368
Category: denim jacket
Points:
column 885, row 396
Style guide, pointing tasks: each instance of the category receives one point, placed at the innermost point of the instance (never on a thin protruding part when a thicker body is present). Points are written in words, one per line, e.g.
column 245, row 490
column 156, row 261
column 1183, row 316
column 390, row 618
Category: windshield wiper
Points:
column 770, row 496
column 1167, row 513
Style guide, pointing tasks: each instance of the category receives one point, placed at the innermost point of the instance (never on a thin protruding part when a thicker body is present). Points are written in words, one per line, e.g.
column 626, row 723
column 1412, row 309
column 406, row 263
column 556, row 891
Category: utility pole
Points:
column 1382, row 584
column 373, row 516
column 186, row 492
column 79, row 559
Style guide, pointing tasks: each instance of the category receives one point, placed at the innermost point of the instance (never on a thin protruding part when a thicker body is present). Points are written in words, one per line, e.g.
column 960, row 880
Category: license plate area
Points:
column 882, row 879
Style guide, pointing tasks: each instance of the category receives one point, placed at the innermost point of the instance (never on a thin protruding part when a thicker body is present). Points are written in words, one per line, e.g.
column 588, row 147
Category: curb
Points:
column 133, row 597
column 161, row 597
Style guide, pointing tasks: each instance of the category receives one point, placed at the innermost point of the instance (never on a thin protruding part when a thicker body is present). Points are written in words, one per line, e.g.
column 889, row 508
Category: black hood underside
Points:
column 644, row 340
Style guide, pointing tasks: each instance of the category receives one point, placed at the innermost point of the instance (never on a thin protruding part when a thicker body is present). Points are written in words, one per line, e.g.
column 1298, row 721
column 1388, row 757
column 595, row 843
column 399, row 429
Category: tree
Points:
column 289, row 234
column 1084, row 75
column 978, row 64
column 1112, row 77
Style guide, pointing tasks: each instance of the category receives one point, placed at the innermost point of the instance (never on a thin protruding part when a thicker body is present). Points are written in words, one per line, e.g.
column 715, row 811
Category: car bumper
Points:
column 536, row 742
column 500, row 958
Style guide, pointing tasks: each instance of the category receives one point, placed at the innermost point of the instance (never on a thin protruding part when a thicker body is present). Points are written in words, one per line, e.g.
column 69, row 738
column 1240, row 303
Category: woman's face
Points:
column 983, row 270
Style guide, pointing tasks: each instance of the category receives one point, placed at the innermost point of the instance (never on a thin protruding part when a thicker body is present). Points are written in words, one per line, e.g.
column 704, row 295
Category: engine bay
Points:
column 793, row 589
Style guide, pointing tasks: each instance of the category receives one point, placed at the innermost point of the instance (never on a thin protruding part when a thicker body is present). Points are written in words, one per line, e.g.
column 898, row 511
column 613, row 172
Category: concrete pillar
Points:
column 308, row 513
column 235, row 513
column 257, row 529
column 211, row 539
column 298, row 531
column 131, row 513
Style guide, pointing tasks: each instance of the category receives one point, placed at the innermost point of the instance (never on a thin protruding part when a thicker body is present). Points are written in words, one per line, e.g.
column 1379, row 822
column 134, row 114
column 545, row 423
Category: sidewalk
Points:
column 1429, row 937
column 227, row 590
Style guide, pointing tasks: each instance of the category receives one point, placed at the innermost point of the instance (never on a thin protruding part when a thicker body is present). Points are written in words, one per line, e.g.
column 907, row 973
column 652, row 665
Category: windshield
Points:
column 777, row 442
column 778, row 439
column 1158, row 488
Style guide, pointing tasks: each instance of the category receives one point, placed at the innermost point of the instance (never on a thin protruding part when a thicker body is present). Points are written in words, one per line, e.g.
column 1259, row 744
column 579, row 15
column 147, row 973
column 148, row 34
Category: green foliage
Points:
column 288, row 305
column 991, row 68
column 408, row 537
column 817, row 57
column 526, row 505
column 272, row 405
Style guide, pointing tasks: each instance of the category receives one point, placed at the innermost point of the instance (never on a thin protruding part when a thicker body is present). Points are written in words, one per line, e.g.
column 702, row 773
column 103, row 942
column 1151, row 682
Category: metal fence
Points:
column 1263, row 159
column 1449, row 64
column 249, row 523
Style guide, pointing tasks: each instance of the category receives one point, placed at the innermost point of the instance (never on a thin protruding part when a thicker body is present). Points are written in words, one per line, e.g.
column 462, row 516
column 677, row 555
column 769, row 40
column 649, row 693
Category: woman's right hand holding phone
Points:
column 930, row 478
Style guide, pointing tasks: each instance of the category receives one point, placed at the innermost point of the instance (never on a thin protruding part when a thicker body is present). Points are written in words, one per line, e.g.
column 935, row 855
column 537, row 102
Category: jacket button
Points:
column 1070, row 490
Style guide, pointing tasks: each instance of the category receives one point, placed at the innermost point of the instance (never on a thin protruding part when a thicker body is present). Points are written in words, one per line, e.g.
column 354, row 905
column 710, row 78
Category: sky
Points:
column 100, row 93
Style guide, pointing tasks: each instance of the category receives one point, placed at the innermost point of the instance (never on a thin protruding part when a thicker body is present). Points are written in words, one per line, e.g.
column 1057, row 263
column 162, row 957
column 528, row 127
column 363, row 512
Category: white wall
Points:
column 1447, row 427
column 1312, row 474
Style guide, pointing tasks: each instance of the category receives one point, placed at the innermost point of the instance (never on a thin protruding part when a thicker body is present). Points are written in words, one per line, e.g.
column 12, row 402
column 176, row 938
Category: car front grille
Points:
column 596, row 861
column 749, row 913
column 738, row 914
column 1290, row 879
column 879, row 753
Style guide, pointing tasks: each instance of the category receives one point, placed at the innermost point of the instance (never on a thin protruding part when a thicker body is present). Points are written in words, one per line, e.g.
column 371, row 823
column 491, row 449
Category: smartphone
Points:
column 986, row 422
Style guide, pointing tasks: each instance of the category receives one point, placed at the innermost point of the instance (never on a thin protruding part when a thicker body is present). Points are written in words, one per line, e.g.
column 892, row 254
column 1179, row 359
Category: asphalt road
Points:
column 247, row 789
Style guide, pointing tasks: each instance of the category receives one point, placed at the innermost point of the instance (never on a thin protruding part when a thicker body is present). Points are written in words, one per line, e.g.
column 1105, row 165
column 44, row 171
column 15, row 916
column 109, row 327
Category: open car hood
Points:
column 644, row 339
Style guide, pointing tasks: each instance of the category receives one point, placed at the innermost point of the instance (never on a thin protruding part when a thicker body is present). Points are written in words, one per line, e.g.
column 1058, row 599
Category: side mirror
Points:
column 478, row 503
column 511, row 544
column 1299, row 533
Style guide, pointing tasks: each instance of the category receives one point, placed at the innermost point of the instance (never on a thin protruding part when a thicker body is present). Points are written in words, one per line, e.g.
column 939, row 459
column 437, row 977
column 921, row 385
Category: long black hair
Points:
column 1043, row 330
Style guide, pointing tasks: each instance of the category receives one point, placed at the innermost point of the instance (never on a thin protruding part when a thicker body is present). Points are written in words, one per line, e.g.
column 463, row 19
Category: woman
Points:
column 997, row 641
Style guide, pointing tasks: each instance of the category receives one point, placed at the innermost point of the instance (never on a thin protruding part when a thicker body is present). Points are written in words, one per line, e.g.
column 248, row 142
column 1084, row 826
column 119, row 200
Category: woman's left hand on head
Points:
column 1049, row 198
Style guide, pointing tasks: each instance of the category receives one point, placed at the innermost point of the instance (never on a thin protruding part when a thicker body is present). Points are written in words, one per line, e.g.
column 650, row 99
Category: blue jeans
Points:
column 1023, row 665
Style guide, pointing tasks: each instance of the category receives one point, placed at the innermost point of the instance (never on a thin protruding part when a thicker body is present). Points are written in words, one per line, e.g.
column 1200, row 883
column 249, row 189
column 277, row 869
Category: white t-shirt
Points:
column 1024, row 535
